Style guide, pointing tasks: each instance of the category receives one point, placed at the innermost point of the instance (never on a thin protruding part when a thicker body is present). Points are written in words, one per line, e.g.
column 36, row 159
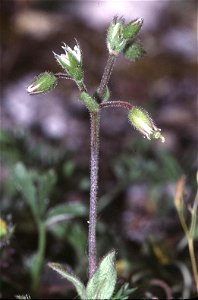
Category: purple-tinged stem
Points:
column 106, row 76
column 95, row 119
column 123, row 104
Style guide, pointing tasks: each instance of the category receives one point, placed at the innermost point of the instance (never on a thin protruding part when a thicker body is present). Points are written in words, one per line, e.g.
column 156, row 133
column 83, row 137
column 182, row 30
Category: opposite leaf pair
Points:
column 100, row 286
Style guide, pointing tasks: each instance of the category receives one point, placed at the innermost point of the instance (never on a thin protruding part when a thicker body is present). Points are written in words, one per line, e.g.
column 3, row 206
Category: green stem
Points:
column 95, row 125
column 193, row 261
column 37, row 269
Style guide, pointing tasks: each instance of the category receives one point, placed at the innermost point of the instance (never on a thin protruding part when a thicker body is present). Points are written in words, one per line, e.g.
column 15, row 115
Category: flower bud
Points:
column 140, row 119
column 132, row 29
column 134, row 51
column 71, row 61
column 89, row 102
column 115, row 39
column 42, row 83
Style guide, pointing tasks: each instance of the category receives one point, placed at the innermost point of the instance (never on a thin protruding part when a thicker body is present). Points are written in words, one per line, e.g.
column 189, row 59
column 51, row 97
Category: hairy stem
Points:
column 95, row 124
column 123, row 104
column 105, row 77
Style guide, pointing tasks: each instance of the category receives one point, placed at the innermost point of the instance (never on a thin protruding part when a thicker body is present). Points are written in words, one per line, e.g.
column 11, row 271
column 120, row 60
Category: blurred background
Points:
column 137, row 177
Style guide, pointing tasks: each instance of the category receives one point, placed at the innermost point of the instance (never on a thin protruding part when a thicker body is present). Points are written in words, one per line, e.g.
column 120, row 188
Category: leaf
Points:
column 24, row 183
column 80, row 288
column 102, row 283
column 66, row 211
column 45, row 185
column 124, row 292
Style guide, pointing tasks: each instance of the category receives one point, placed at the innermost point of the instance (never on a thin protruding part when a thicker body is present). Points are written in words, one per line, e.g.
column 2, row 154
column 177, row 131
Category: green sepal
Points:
column 89, row 102
column 102, row 284
column 134, row 51
column 132, row 29
column 42, row 83
column 76, row 73
column 115, row 39
column 141, row 120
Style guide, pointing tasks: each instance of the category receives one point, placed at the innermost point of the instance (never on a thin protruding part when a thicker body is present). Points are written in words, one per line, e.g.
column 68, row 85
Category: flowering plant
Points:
column 121, row 38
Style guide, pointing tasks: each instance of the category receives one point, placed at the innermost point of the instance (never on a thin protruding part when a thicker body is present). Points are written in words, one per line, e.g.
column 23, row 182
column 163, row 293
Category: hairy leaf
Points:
column 102, row 283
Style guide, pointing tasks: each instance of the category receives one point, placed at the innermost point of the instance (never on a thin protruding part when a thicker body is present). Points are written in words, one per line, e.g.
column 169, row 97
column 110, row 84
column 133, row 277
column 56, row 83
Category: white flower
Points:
column 71, row 61
column 65, row 59
column 76, row 52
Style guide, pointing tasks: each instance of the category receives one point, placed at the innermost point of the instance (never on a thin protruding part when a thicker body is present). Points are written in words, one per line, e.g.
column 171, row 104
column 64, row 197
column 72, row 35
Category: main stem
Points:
column 95, row 124
column 95, row 127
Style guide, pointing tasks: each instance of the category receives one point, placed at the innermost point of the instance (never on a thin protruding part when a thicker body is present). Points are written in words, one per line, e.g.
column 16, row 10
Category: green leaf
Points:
column 45, row 185
column 77, row 237
column 80, row 288
column 102, row 283
column 24, row 183
column 124, row 292
column 66, row 211
column 134, row 51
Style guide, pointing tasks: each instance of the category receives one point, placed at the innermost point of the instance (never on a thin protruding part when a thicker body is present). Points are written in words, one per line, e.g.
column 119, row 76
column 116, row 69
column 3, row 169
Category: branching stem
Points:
column 105, row 77
column 123, row 104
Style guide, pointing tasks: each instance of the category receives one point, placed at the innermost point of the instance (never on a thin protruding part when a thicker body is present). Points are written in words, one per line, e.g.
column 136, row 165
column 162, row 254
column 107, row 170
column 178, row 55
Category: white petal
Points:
column 64, row 58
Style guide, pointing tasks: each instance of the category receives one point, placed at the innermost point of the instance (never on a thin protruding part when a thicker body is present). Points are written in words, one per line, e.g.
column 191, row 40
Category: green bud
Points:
column 115, row 38
column 132, row 29
column 134, row 51
column 42, row 83
column 140, row 119
column 89, row 102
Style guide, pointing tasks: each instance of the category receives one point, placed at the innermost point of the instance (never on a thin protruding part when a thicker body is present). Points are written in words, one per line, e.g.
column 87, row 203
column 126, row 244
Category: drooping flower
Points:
column 140, row 119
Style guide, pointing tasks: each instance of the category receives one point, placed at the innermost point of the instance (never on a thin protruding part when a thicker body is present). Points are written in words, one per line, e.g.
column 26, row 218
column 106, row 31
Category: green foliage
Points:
column 102, row 284
column 130, row 168
column 80, row 288
column 65, row 211
column 34, row 188
column 124, row 292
